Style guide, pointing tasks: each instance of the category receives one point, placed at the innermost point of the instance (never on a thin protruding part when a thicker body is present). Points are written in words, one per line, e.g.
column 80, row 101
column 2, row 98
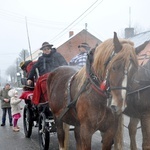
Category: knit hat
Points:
column 12, row 93
column 46, row 44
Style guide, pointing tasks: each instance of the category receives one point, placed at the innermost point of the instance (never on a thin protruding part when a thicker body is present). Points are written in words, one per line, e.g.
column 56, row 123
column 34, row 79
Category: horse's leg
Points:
column 66, row 141
column 118, row 140
column 132, row 132
column 107, row 139
column 62, row 133
column 85, row 137
column 77, row 137
column 145, row 126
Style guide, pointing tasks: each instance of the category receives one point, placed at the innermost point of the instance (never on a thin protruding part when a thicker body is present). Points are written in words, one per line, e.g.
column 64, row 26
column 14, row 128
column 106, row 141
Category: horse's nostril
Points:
column 113, row 108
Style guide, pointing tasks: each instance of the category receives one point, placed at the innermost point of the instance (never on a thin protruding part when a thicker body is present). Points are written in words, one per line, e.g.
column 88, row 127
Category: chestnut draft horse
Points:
column 79, row 98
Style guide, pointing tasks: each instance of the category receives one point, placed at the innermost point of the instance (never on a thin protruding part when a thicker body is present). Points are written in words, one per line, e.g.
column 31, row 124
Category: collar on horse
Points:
column 96, row 85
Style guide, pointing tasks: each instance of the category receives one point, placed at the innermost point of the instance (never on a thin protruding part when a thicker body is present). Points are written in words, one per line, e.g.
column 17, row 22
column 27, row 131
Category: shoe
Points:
column 36, row 125
column 2, row 124
column 11, row 124
column 53, row 128
column 15, row 129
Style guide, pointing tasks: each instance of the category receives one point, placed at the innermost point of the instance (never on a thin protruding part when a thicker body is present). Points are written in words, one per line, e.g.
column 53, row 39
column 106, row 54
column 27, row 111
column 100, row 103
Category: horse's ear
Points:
column 117, row 44
column 141, row 47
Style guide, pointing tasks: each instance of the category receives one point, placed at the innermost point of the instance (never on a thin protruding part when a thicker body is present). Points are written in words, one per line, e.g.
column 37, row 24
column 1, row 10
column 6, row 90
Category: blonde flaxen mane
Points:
column 102, row 54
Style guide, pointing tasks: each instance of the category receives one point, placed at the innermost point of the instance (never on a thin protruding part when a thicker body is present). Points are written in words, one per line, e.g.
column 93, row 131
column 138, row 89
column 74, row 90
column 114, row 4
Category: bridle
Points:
column 94, row 80
column 126, row 71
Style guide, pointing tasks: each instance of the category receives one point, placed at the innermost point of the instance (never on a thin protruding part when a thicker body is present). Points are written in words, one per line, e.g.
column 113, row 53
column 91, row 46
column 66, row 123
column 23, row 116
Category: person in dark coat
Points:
column 5, row 104
column 49, row 60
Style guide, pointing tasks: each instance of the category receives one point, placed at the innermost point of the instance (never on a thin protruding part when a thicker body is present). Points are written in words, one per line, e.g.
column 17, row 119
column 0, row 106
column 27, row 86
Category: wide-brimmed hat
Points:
column 46, row 44
column 84, row 45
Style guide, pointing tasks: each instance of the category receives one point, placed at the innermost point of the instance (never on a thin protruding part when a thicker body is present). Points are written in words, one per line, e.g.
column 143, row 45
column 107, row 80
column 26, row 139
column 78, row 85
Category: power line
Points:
column 54, row 39
column 13, row 17
column 44, row 23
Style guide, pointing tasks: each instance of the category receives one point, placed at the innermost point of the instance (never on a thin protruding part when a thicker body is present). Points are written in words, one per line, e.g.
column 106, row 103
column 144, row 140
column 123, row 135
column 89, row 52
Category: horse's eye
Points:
column 113, row 68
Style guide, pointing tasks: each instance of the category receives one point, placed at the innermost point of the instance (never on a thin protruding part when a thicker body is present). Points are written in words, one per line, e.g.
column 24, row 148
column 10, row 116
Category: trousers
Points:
column 5, row 110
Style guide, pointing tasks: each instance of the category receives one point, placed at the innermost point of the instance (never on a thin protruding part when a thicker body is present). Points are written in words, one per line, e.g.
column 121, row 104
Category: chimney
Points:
column 71, row 33
column 129, row 32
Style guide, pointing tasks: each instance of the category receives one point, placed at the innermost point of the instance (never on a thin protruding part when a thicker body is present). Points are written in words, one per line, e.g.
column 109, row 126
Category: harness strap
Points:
column 72, row 104
column 92, row 77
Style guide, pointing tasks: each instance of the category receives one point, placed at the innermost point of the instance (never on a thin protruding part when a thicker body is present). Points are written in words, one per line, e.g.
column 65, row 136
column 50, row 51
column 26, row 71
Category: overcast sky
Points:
column 51, row 20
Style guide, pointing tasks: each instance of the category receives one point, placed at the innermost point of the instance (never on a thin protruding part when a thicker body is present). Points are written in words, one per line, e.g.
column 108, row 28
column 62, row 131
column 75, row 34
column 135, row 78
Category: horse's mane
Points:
column 104, row 51
column 102, row 54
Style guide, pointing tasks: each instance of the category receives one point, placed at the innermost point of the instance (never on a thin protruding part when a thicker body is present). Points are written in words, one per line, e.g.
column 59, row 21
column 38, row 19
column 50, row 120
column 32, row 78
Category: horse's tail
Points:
column 118, row 141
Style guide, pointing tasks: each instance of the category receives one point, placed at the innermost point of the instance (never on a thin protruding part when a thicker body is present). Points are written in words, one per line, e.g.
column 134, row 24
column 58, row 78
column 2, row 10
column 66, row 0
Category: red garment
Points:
column 40, row 91
column 29, row 67
column 26, row 95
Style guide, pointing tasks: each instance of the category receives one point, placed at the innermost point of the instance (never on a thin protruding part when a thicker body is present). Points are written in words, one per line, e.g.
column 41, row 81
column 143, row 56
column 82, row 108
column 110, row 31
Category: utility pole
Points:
column 86, row 32
column 28, row 38
column 0, row 79
column 129, row 17
column 24, row 55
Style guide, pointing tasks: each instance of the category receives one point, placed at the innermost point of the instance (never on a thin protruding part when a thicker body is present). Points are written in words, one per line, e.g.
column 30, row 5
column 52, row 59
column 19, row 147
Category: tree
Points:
column 23, row 55
column 11, row 72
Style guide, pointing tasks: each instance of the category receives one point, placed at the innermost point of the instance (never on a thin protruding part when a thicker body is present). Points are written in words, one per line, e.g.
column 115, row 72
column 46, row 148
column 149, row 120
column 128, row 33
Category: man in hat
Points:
column 49, row 60
column 80, row 59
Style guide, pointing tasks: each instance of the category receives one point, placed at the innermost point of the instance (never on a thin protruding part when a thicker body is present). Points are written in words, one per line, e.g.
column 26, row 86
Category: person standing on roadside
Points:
column 15, row 108
column 5, row 104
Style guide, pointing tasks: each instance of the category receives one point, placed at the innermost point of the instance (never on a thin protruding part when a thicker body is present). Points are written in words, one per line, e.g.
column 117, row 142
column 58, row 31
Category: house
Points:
column 69, row 48
column 139, row 39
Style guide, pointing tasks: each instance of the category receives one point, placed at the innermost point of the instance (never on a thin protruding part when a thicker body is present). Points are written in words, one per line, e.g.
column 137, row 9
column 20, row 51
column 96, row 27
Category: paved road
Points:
column 17, row 141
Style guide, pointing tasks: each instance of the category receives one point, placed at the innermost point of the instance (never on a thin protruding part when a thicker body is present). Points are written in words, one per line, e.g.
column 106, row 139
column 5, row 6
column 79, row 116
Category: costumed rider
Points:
column 49, row 60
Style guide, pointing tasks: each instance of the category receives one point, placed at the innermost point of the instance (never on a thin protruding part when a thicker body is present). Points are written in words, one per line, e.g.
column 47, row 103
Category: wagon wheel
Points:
column 27, row 121
column 43, row 132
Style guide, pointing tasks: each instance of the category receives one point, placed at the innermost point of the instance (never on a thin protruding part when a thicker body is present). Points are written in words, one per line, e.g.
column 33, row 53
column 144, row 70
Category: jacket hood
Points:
column 12, row 92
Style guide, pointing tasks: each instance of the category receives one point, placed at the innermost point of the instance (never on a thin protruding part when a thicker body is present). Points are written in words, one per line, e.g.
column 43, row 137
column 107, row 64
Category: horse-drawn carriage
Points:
column 37, row 116
column 81, row 98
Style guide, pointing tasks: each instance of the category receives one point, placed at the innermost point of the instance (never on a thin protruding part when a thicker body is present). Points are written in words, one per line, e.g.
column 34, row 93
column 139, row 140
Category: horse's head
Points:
column 117, row 65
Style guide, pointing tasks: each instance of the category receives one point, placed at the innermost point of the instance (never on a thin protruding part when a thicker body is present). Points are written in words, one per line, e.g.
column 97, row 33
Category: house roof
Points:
column 140, row 38
column 82, row 32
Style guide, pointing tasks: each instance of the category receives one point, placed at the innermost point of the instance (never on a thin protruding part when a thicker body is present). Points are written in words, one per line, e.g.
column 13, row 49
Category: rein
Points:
column 137, row 91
